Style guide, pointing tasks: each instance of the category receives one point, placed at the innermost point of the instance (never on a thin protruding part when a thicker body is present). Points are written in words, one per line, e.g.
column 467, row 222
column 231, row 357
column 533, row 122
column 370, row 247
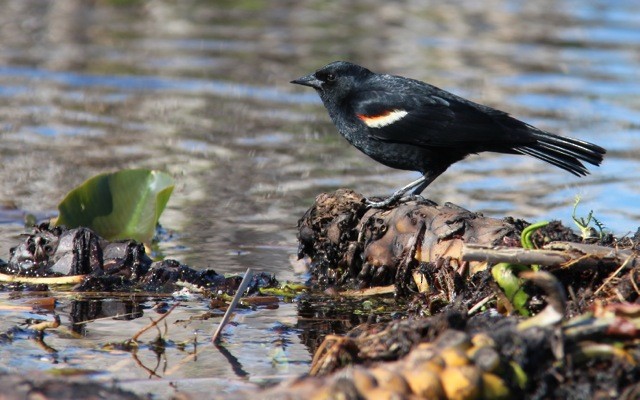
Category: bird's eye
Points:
column 330, row 77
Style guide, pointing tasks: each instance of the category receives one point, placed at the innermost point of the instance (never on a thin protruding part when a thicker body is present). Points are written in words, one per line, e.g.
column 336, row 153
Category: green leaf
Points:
column 525, row 238
column 521, row 378
column 121, row 205
column 505, row 275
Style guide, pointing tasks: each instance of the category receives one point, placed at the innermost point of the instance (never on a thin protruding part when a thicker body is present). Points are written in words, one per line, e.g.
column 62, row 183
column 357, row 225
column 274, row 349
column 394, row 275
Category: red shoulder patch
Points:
column 382, row 119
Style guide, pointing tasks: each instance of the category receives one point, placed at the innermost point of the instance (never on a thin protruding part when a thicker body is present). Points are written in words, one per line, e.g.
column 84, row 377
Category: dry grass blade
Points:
column 35, row 280
column 373, row 291
column 232, row 305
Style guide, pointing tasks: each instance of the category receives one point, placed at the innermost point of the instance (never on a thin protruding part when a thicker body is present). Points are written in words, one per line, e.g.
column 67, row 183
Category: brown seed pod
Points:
column 391, row 380
column 482, row 340
column 461, row 383
column 425, row 383
column 435, row 364
column 454, row 357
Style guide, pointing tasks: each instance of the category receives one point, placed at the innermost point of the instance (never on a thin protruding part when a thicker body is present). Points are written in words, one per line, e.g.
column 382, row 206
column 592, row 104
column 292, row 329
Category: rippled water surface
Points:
column 200, row 89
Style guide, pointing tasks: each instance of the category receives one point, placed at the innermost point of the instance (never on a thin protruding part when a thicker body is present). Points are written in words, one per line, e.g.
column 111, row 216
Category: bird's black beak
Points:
column 309, row 80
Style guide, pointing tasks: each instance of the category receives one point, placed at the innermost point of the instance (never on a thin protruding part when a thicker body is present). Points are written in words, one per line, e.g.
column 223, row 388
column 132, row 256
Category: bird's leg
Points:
column 426, row 181
column 398, row 194
column 417, row 186
column 415, row 194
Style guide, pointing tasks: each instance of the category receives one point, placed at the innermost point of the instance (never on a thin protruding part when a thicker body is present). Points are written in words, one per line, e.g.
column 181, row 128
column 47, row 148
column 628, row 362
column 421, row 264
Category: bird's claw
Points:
column 394, row 199
column 389, row 201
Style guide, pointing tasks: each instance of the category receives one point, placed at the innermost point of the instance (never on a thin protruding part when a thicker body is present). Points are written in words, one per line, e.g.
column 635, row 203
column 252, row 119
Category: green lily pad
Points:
column 121, row 205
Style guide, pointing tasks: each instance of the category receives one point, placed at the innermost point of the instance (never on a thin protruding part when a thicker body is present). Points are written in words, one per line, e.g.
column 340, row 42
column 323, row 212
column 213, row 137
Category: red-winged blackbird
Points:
column 407, row 124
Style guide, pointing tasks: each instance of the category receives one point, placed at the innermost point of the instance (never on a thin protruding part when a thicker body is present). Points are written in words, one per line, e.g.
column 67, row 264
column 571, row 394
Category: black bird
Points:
column 407, row 124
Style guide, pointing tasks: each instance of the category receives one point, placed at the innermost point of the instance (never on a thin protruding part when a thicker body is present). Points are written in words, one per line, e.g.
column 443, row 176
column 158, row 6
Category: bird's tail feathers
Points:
column 564, row 152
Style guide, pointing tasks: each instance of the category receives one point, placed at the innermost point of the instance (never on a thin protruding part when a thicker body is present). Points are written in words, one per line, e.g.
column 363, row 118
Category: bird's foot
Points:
column 398, row 198
column 389, row 201
column 416, row 186
column 418, row 198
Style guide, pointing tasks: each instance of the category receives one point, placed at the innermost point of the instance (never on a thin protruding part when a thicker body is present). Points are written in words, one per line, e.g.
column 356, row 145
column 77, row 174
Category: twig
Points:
column 243, row 286
column 555, row 255
column 479, row 305
column 613, row 275
column 154, row 323
column 632, row 278
column 513, row 255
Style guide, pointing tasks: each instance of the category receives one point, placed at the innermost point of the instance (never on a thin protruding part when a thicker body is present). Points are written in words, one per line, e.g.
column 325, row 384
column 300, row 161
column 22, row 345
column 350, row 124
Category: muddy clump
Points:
column 97, row 265
column 349, row 244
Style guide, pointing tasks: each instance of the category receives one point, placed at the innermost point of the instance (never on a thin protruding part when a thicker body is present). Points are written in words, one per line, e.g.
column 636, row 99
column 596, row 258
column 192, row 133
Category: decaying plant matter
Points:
column 60, row 256
column 351, row 244
column 583, row 293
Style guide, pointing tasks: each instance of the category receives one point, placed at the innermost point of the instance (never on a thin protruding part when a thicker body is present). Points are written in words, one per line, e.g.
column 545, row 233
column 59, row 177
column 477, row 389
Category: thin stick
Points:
column 154, row 323
column 513, row 255
column 632, row 278
column 555, row 255
column 479, row 305
column 613, row 275
column 243, row 286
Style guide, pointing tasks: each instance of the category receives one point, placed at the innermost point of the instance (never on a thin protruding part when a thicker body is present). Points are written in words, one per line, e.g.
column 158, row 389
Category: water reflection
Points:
column 83, row 311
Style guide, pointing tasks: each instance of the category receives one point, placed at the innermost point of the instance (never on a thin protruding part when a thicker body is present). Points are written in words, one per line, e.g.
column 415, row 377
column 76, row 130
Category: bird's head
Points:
column 335, row 81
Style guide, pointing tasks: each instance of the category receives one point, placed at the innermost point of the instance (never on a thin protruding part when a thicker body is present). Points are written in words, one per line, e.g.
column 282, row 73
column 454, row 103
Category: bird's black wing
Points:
column 415, row 113
column 438, row 119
